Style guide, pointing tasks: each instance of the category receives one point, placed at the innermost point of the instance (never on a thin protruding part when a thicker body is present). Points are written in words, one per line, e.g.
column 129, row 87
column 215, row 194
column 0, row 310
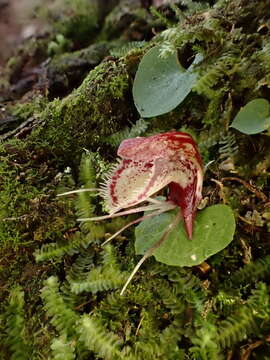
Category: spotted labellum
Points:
column 147, row 165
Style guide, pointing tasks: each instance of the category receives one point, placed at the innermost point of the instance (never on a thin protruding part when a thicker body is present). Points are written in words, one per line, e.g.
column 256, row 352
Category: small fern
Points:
column 62, row 349
column 97, row 339
column 162, row 19
column 137, row 129
column 250, row 273
column 90, row 233
column 126, row 48
column 101, row 278
column 98, row 280
column 169, row 340
column 228, row 146
column 215, row 73
column 184, row 284
column 15, row 326
column 247, row 320
column 236, row 328
column 81, row 266
column 205, row 346
column 70, row 247
column 62, row 317
column 84, row 200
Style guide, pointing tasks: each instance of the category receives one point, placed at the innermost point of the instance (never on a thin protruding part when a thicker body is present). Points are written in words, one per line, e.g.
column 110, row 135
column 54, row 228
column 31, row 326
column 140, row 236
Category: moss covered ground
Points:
column 66, row 104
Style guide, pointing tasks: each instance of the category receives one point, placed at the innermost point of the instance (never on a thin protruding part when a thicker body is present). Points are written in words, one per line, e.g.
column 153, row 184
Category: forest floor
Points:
column 66, row 103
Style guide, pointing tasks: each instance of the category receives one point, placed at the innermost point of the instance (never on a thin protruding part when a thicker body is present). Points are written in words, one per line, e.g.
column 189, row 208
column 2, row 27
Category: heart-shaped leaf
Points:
column 161, row 83
column 213, row 231
column 253, row 118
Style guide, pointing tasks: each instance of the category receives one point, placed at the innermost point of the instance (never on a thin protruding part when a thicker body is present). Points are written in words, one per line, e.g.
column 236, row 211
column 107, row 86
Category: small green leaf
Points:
column 161, row 83
column 213, row 230
column 253, row 118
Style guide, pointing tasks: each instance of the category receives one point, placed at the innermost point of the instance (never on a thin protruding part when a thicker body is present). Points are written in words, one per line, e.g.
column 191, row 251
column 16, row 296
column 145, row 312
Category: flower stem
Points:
column 150, row 251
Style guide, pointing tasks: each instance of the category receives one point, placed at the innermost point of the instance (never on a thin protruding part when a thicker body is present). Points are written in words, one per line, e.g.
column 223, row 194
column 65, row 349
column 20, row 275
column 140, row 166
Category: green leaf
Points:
column 161, row 83
column 253, row 118
column 213, row 230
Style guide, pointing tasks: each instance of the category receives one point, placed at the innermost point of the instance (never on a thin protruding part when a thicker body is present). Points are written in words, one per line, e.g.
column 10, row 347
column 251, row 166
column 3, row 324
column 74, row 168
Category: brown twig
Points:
column 250, row 187
column 253, row 346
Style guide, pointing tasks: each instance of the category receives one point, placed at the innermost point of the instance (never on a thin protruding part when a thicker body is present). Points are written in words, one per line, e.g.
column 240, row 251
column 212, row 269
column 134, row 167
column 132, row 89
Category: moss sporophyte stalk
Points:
column 147, row 165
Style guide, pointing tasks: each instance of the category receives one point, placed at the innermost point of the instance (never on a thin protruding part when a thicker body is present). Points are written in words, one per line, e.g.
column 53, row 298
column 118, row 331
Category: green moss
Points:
column 27, row 214
column 99, row 107
column 31, row 53
column 91, row 55
column 167, row 312
column 77, row 20
column 24, row 111
column 15, row 195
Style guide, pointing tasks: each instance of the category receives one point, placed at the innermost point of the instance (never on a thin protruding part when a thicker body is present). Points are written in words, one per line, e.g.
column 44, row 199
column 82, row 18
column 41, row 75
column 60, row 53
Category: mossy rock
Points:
column 98, row 108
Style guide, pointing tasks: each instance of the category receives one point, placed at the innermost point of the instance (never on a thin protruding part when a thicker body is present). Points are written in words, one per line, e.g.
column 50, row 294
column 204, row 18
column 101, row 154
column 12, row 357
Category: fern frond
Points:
column 84, row 200
column 250, row 273
column 170, row 298
column 62, row 317
column 205, row 345
column 109, row 257
column 87, row 172
column 160, row 17
column 137, row 129
column 126, row 48
column 228, row 146
column 101, row 278
column 15, row 326
column 84, row 209
column 170, row 34
column 247, row 320
column 235, row 329
column 97, row 339
column 166, row 49
column 62, row 349
column 81, row 266
column 151, row 343
column 259, row 302
column 98, row 280
column 185, row 285
column 213, row 74
column 70, row 247
column 169, row 341
column 147, row 349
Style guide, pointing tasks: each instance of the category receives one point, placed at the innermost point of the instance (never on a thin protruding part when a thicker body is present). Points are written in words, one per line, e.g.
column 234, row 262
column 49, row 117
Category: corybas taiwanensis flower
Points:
column 148, row 164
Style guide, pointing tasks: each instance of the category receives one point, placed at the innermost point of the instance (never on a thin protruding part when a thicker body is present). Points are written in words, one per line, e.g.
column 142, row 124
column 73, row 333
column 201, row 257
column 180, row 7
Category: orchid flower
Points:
column 147, row 165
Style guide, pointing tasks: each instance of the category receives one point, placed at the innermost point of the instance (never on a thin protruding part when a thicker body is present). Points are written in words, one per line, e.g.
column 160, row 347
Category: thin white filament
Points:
column 167, row 206
column 155, row 213
column 77, row 191
column 155, row 201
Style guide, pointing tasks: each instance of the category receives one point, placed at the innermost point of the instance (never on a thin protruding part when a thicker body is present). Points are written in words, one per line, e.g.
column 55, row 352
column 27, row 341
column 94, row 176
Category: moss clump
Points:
column 15, row 193
column 27, row 211
column 25, row 110
column 88, row 115
column 77, row 20
column 66, row 71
